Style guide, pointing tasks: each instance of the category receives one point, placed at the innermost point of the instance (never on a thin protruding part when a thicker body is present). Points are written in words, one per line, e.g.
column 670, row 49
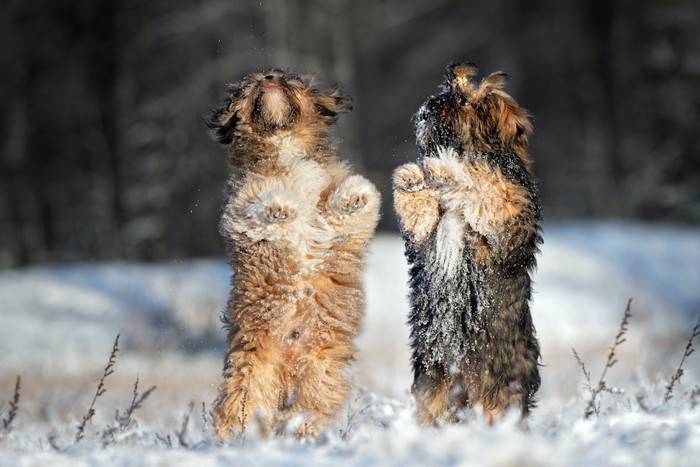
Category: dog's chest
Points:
column 288, row 148
column 449, row 245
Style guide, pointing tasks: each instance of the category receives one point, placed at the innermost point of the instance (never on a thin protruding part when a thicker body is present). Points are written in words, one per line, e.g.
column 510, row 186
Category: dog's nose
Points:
column 270, row 77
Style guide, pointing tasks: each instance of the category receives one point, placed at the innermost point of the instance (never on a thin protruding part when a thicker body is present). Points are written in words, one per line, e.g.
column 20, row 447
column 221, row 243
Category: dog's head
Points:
column 473, row 117
column 274, row 101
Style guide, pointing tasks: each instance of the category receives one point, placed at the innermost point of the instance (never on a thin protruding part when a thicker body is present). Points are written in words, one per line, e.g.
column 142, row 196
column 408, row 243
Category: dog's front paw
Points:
column 276, row 213
column 409, row 177
column 271, row 208
column 352, row 203
column 439, row 173
column 352, row 195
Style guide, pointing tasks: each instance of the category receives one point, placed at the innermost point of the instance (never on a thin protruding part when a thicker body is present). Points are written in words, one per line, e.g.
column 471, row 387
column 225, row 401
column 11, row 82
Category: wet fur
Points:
column 296, row 222
column 470, row 216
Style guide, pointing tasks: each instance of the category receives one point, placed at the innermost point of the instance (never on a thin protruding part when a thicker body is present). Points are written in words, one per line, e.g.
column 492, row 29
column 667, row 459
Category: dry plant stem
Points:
column 53, row 443
column 136, row 403
column 694, row 397
column 586, row 373
column 592, row 406
column 181, row 435
column 243, row 418
column 679, row 372
column 101, row 389
column 206, row 420
column 352, row 414
column 165, row 440
column 124, row 420
column 14, row 406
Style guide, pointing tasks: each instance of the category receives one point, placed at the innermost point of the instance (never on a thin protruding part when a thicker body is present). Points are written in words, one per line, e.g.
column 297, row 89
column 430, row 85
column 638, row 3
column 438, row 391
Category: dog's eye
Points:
column 463, row 101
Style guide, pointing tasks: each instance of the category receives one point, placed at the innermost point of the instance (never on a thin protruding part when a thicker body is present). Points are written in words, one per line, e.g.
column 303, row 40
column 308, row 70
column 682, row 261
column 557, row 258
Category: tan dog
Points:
column 470, row 217
column 297, row 223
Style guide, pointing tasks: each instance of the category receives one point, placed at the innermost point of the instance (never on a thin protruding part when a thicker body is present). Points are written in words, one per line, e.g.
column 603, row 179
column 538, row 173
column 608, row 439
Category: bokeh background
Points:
column 110, row 191
column 103, row 153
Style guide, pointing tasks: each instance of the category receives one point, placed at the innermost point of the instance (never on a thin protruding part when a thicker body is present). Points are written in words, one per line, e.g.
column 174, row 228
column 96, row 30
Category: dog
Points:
column 470, row 217
column 296, row 221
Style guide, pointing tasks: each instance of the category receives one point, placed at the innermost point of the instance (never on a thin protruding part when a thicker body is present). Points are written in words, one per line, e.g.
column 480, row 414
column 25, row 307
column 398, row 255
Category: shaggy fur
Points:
column 470, row 218
column 297, row 223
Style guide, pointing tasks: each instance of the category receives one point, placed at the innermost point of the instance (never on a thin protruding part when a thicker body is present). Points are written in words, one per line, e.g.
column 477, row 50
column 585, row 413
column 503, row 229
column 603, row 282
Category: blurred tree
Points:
column 104, row 155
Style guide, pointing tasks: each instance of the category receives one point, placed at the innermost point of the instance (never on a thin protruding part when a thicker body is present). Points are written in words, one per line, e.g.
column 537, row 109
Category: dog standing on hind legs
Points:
column 470, row 218
column 297, row 223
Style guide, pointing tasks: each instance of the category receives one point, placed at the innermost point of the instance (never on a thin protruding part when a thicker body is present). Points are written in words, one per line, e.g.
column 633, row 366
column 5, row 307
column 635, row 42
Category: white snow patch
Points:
column 57, row 325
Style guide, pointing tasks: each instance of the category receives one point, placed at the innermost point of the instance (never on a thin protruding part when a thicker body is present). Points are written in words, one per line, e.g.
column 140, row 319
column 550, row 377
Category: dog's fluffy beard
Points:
column 272, row 106
column 274, row 109
column 435, row 130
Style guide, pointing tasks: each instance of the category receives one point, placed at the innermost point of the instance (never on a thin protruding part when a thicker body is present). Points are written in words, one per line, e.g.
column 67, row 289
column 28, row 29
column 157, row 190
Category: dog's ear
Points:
column 332, row 102
column 222, row 120
column 495, row 80
column 512, row 121
column 513, row 124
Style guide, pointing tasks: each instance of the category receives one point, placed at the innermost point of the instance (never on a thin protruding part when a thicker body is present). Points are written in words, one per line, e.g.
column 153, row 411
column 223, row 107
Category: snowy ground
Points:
column 57, row 326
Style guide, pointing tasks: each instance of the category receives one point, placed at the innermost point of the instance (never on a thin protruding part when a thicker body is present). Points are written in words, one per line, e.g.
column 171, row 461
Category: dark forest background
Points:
column 103, row 153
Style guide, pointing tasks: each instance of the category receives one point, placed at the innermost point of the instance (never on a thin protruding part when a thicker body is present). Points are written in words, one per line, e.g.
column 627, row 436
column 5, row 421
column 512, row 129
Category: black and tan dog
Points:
column 470, row 218
column 297, row 223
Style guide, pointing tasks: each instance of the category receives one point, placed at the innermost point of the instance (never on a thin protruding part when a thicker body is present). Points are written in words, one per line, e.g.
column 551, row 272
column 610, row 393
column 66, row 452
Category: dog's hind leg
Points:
column 322, row 389
column 251, row 392
column 432, row 400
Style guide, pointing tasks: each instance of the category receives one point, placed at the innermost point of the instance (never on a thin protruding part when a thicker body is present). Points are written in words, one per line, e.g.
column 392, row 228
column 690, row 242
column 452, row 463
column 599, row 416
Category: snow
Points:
column 58, row 324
